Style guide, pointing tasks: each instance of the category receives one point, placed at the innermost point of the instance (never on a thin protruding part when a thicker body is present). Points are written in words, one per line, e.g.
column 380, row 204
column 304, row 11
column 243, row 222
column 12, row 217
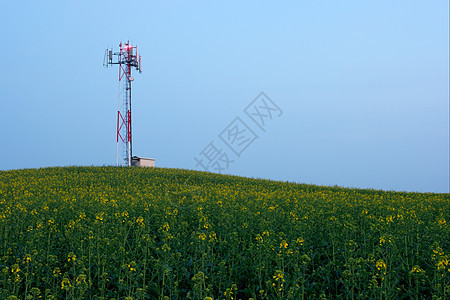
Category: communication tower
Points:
column 127, row 58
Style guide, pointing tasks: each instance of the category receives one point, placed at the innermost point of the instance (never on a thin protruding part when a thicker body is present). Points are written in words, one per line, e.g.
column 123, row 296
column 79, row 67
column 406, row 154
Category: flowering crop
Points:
column 138, row 233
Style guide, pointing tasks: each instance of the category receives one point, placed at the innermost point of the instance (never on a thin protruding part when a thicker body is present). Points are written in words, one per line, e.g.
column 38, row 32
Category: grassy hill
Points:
column 135, row 233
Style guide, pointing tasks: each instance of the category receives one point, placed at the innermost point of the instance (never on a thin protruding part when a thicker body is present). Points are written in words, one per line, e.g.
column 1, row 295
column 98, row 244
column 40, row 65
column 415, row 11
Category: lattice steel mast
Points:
column 127, row 58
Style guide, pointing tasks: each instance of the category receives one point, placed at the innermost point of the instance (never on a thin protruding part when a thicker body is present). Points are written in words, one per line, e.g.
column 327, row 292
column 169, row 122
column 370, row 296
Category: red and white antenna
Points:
column 127, row 58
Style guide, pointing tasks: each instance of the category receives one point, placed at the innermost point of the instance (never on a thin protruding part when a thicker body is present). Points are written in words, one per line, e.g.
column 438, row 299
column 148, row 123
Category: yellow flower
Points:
column 65, row 284
column 132, row 266
column 279, row 275
column 442, row 264
column 71, row 257
column 56, row 272
column 140, row 221
column 99, row 216
column 385, row 239
column 212, row 236
column 416, row 270
column 283, row 244
column 15, row 268
column 380, row 264
column 437, row 253
column 81, row 279
column 202, row 236
column 381, row 267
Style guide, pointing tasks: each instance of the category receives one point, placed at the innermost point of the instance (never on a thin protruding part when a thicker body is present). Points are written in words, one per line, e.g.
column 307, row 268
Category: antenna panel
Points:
column 105, row 63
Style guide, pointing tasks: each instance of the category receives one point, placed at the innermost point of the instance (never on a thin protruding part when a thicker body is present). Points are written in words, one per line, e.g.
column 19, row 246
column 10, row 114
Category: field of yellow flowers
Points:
column 137, row 233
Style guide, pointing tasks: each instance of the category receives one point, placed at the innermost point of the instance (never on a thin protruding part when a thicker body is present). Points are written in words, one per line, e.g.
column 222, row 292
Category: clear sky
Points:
column 362, row 87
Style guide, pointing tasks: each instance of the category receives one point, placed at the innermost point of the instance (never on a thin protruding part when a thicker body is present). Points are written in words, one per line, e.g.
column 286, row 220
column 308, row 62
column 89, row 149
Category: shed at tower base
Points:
column 142, row 162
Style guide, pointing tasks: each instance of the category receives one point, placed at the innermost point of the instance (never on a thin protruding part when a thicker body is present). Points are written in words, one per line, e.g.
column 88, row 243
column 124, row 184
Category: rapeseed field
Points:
column 136, row 233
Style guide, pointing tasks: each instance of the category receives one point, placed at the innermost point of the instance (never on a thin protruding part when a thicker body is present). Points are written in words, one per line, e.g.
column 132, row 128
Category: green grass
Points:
column 135, row 233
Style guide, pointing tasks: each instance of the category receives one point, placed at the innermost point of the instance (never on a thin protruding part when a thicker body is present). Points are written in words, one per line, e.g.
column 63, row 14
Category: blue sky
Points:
column 363, row 86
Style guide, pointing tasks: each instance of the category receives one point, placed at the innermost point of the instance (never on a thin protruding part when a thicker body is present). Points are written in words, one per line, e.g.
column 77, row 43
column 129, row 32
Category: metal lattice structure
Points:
column 127, row 58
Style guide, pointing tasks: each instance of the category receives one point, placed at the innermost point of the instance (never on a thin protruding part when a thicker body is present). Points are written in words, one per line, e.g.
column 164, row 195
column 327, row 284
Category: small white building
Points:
column 142, row 162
